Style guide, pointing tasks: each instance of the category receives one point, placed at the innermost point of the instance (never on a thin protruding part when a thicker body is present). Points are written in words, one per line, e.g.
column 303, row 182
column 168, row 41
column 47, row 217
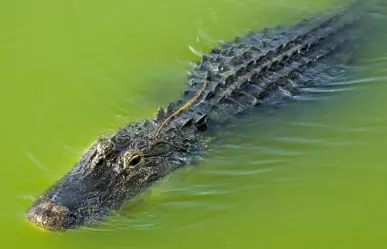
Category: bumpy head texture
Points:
column 111, row 171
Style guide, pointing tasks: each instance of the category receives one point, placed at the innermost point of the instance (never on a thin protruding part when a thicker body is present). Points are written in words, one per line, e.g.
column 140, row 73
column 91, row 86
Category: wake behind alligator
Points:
column 261, row 69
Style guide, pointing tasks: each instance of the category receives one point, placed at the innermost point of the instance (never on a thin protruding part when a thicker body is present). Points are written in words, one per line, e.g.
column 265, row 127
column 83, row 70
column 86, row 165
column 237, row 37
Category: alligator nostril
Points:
column 50, row 216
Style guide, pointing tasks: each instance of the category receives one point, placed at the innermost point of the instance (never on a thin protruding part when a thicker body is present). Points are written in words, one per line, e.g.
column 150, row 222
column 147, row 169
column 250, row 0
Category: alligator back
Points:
column 269, row 66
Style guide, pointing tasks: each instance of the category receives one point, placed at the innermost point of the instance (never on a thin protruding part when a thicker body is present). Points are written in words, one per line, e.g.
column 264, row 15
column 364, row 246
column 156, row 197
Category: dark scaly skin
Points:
column 260, row 68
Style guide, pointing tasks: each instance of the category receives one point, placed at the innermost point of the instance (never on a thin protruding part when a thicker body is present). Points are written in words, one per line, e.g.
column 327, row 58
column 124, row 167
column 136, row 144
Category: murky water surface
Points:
column 309, row 175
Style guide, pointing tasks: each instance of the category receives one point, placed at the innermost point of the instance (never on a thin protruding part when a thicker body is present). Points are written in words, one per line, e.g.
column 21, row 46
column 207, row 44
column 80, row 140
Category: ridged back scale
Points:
column 260, row 67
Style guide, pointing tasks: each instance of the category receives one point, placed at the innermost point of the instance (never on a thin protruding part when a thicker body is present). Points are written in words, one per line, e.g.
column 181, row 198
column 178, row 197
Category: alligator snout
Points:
column 50, row 216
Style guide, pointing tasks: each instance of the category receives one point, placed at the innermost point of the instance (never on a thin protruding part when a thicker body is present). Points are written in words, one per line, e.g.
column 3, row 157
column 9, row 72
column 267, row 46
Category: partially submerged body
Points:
column 260, row 68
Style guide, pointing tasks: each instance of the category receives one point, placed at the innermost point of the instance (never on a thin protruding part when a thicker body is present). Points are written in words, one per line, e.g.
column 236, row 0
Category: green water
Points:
column 311, row 176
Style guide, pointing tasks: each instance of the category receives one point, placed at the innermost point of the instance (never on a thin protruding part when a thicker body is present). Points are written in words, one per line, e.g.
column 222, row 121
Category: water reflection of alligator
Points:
column 261, row 68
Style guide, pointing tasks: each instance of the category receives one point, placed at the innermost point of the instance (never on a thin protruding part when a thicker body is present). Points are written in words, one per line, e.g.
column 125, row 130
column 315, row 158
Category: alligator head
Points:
column 110, row 172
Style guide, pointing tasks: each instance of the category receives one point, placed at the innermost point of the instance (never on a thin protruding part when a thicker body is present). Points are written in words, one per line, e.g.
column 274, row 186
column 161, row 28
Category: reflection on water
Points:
column 310, row 174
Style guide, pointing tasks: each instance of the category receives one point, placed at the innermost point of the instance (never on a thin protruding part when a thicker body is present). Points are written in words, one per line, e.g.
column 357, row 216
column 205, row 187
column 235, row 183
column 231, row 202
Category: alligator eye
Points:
column 134, row 160
column 129, row 160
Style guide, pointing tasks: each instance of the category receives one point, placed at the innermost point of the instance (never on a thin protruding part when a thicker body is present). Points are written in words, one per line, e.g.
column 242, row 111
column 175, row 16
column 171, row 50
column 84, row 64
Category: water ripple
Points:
column 36, row 161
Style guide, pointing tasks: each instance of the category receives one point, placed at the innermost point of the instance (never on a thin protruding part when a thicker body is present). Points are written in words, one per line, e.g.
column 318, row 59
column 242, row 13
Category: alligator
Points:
column 259, row 69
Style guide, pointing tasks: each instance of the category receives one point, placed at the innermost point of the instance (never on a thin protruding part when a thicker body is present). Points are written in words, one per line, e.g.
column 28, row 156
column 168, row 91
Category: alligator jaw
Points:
column 83, row 196
column 70, row 203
